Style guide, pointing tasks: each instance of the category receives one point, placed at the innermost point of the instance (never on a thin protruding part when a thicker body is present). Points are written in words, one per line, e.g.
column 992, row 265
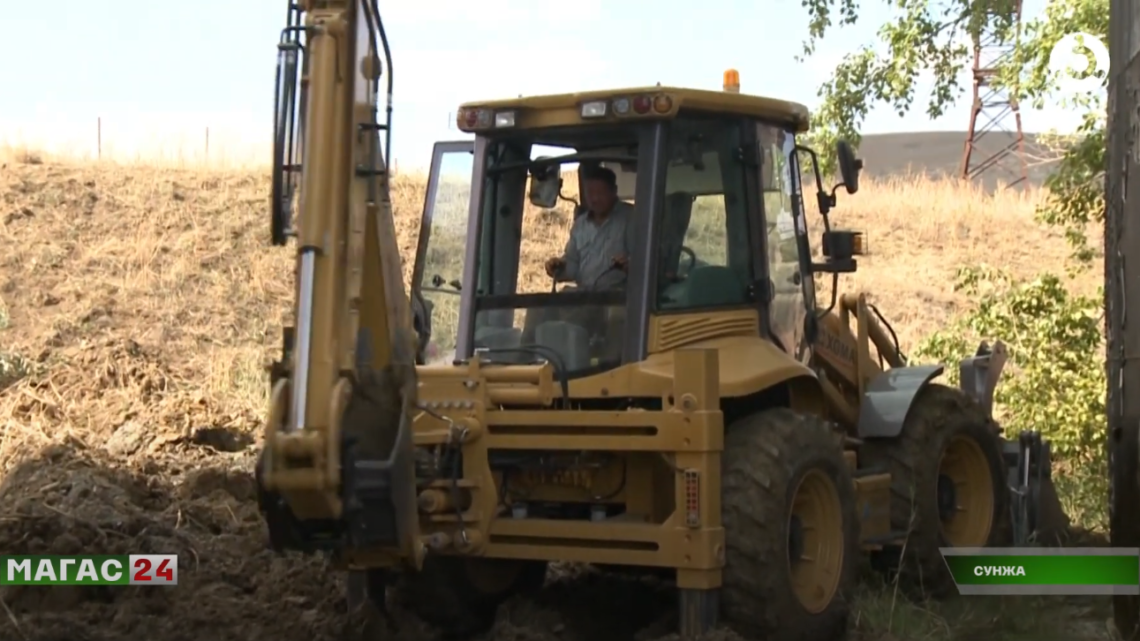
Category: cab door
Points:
column 793, row 293
column 437, row 273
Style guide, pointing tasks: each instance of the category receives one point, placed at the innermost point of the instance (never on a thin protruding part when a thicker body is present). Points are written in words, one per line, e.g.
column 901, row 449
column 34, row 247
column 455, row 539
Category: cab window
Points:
column 520, row 313
column 793, row 294
column 441, row 253
column 704, row 259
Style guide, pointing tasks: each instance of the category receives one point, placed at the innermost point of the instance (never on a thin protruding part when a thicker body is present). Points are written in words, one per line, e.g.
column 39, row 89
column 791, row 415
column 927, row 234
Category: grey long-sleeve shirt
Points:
column 592, row 247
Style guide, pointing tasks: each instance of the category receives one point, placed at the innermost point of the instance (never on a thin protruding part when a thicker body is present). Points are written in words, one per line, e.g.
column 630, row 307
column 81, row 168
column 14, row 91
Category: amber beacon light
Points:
column 732, row 81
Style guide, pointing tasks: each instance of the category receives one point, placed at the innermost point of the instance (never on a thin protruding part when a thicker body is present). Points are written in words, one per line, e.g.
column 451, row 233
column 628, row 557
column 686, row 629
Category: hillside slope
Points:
column 938, row 154
column 142, row 305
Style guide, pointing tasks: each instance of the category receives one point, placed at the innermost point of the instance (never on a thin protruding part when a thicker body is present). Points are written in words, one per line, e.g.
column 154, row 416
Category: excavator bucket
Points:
column 1038, row 516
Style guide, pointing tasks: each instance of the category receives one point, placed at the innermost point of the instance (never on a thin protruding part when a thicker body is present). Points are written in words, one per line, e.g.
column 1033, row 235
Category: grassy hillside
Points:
column 138, row 306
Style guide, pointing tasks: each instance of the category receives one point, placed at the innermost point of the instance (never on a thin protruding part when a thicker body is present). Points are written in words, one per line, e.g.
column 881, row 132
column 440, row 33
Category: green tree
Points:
column 1056, row 376
column 936, row 37
column 1051, row 383
column 929, row 36
column 1075, row 189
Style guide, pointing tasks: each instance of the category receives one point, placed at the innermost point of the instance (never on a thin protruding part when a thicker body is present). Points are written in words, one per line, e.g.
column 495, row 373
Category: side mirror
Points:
column 545, row 186
column 849, row 166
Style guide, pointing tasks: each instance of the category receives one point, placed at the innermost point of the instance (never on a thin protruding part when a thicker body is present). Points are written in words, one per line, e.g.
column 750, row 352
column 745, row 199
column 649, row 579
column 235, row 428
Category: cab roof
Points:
column 792, row 114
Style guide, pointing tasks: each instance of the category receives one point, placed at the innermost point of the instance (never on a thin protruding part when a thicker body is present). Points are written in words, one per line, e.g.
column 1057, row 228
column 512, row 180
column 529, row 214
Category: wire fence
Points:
column 119, row 140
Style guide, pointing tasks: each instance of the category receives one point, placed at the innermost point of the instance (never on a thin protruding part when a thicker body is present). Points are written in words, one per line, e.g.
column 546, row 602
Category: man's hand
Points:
column 554, row 266
column 621, row 261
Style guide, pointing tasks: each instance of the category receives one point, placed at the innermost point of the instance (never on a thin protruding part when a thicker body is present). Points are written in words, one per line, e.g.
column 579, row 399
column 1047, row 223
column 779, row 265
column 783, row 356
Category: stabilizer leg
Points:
column 1038, row 516
column 699, row 611
column 356, row 589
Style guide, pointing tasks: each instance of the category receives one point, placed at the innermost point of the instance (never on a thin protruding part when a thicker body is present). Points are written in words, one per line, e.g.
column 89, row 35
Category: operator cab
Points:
column 715, row 239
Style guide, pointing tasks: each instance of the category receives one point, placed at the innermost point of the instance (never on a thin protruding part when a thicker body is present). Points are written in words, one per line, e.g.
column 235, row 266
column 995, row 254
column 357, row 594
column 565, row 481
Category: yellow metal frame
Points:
column 459, row 407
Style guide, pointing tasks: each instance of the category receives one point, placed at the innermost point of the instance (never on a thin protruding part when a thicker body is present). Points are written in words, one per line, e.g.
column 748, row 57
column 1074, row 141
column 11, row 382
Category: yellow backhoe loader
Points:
column 704, row 418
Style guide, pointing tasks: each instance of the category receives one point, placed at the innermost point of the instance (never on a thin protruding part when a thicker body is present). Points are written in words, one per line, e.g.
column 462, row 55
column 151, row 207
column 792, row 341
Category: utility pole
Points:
column 1122, row 293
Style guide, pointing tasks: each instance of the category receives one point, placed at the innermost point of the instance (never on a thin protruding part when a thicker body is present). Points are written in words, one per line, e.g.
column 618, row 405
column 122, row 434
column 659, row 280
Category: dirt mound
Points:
column 71, row 499
column 68, row 500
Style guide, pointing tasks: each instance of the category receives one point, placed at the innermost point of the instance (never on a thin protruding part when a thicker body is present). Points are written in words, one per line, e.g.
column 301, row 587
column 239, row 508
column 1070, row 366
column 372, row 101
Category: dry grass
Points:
column 143, row 303
column 921, row 232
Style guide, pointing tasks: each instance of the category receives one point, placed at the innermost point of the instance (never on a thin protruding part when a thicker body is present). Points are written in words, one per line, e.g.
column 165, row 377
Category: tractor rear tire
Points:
column 947, row 445
column 461, row 595
column 787, row 493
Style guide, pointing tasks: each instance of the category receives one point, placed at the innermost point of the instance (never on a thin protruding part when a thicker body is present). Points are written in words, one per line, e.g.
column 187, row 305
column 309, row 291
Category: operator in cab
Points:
column 597, row 254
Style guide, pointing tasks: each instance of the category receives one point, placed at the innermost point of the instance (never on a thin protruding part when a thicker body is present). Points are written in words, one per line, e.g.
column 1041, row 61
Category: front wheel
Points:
column 948, row 486
column 461, row 595
column 791, row 533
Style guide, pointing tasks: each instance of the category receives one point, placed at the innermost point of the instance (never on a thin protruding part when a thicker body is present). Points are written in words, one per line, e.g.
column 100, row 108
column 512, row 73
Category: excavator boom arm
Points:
column 336, row 467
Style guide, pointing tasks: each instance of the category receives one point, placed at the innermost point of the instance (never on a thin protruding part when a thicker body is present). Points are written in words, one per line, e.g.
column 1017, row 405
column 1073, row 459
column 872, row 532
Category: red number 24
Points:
column 163, row 571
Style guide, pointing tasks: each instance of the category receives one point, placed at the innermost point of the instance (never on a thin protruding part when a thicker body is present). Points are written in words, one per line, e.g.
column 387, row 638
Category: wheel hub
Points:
column 815, row 541
column 795, row 539
column 947, row 497
column 964, row 493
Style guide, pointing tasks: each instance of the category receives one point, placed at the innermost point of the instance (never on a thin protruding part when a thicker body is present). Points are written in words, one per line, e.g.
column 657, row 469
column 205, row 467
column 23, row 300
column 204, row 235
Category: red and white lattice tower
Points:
column 994, row 116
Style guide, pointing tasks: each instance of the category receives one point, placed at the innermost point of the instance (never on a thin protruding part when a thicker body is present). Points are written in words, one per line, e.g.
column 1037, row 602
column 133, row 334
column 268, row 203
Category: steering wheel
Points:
column 437, row 285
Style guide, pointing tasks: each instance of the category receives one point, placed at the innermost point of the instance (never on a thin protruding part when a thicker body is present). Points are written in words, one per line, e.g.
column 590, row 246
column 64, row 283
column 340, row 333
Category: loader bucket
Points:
column 978, row 376
column 1037, row 513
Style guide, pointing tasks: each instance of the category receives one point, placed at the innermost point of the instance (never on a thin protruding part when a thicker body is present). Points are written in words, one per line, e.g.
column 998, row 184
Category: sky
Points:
column 157, row 75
